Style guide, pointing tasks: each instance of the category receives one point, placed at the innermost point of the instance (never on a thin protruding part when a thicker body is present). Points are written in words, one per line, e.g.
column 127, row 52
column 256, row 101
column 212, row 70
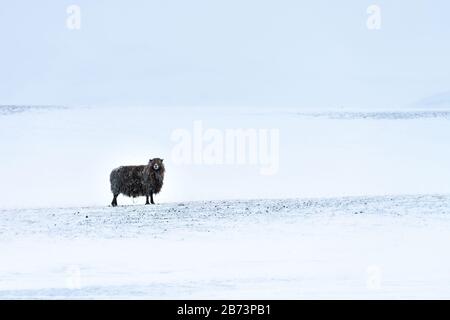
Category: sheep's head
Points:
column 156, row 164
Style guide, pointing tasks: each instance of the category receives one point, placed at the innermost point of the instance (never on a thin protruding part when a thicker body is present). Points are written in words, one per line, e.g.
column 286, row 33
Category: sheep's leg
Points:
column 146, row 200
column 151, row 198
column 114, row 201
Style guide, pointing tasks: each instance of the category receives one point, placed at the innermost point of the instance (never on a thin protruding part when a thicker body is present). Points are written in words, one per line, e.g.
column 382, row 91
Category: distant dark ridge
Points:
column 13, row 109
column 385, row 115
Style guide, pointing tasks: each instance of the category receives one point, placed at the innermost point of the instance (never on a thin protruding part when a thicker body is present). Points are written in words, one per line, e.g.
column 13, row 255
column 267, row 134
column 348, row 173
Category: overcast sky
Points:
column 224, row 52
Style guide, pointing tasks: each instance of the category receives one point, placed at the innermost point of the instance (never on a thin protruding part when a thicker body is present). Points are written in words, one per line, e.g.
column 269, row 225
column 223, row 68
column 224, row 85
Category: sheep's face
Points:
column 156, row 164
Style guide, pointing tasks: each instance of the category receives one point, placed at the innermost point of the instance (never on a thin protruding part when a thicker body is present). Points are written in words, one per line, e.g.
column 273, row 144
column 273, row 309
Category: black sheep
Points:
column 138, row 181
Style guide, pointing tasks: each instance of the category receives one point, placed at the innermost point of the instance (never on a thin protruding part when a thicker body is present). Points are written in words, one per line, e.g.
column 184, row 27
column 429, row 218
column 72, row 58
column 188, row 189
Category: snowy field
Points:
column 349, row 230
column 377, row 247
column 63, row 156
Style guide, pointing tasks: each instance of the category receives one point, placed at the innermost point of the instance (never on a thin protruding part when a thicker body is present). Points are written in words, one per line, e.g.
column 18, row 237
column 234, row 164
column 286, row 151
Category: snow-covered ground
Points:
column 63, row 157
column 59, row 239
column 362, row 247
column 331, row 110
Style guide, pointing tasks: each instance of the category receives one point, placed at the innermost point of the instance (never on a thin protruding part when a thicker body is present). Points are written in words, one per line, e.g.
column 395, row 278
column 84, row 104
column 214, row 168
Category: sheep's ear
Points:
column 162, row 160
column 150, row 160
